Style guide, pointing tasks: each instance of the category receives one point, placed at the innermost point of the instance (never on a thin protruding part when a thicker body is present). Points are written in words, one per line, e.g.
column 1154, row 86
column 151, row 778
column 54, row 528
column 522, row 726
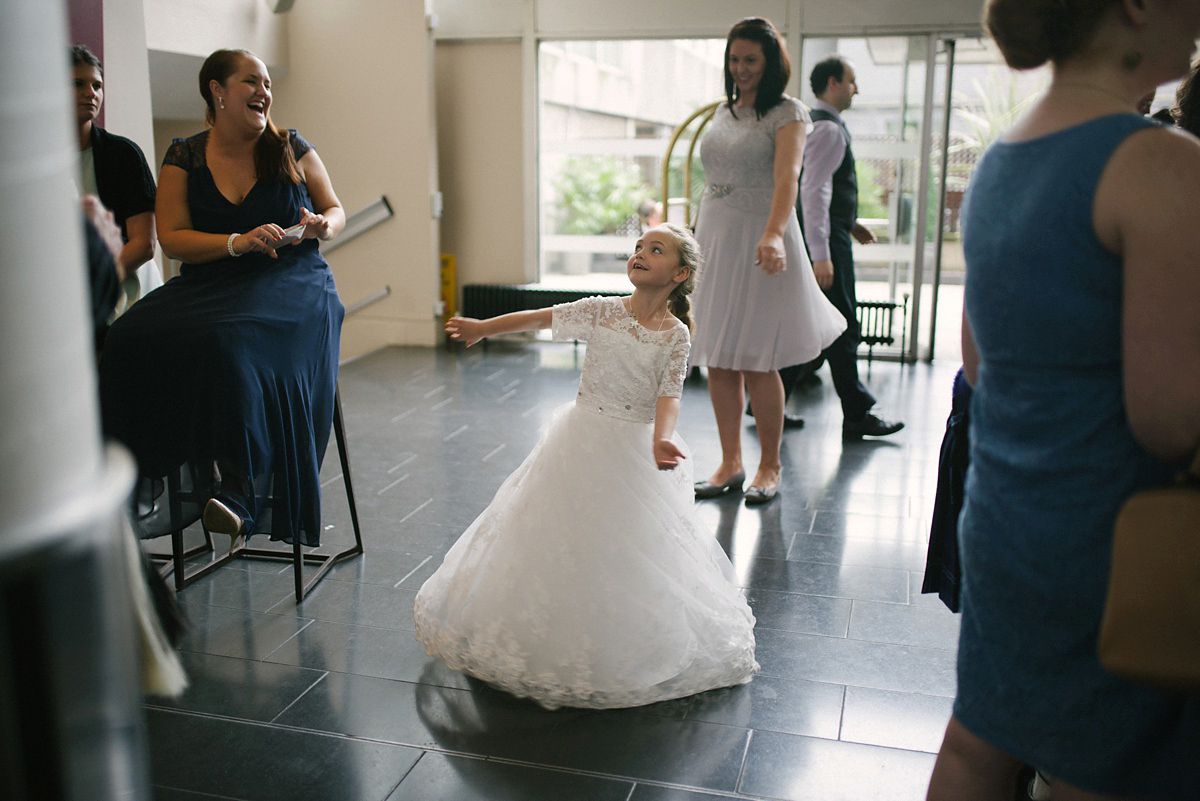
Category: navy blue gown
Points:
column 225, row 375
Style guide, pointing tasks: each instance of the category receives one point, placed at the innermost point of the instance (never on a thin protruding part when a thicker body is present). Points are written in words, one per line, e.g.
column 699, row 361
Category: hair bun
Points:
column 1031, row 32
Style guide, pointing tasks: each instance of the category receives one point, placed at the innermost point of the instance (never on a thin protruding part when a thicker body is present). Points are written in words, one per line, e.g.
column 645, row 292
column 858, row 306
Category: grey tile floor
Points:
column 333, row 698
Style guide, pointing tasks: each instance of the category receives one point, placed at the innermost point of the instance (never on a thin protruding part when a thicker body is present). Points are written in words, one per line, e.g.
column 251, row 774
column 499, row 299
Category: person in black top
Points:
column 112, row 167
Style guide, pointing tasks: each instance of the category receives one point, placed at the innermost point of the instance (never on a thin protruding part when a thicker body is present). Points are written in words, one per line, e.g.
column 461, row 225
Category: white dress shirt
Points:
column 823, row 152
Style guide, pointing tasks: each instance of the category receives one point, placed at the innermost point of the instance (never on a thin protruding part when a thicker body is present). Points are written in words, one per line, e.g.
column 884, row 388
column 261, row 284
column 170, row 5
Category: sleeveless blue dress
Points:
column 1052, row 459
column 233, row 363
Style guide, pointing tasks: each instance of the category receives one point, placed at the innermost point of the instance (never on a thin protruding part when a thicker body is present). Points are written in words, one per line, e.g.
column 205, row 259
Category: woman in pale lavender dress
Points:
column 758, row 306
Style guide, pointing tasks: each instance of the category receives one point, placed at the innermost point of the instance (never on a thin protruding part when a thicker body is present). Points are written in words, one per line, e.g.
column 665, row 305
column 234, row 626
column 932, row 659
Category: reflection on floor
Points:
column 334, row 699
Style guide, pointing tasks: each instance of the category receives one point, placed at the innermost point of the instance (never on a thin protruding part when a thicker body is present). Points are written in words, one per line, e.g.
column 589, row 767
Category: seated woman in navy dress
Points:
column 226, row 375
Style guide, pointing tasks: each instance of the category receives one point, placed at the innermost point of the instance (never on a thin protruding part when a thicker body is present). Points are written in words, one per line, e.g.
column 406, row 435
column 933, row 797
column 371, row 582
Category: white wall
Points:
column 360, row 88
column 127, row 76
column 198, row 27
column 480, row 137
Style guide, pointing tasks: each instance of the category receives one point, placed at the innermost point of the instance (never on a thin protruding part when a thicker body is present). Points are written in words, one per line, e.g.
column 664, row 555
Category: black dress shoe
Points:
column 869, row 425
column 757, row 496
column 706, row 490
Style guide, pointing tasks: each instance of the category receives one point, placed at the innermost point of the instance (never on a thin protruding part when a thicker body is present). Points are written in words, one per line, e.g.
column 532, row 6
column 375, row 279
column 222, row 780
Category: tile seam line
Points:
column 764, row 674
column 297, row 699
column 926, row 648
column 521, row 762
column 633, row 779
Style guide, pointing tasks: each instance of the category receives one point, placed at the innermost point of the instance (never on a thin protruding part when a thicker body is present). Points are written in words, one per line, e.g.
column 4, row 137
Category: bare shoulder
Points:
column 1158, row 146
column 1149, row 186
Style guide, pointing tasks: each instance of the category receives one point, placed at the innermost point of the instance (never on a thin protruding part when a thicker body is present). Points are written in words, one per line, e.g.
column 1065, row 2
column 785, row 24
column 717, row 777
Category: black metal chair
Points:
column 176, row 562
column 876, row 319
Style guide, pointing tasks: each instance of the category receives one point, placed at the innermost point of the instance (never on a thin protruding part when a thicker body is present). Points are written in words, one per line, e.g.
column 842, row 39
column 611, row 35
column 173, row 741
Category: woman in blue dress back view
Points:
column 1081, row 337
column 229, row 370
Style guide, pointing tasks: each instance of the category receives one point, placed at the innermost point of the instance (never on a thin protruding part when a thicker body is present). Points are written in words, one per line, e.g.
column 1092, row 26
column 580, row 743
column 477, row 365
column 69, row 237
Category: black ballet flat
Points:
column 706, row 490
column 757, row 496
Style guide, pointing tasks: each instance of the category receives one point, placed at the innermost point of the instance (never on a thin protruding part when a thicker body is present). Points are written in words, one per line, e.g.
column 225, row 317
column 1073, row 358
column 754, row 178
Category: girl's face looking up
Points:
column 655, row 260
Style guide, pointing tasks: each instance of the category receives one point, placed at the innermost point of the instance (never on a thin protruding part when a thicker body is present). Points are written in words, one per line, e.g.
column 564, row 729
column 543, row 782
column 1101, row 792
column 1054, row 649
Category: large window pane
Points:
column 607, row 111
column 886, row 121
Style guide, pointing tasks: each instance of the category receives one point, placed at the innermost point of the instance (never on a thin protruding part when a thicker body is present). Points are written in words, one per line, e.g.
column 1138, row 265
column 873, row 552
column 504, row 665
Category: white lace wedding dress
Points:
column 587, row 581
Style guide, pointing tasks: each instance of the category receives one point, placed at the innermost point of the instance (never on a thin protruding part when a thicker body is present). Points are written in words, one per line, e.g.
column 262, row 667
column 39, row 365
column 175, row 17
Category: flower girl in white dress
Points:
column 587, row 582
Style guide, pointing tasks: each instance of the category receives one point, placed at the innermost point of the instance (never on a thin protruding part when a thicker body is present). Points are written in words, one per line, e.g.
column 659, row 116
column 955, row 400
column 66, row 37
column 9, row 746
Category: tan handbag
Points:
column 1150, row 632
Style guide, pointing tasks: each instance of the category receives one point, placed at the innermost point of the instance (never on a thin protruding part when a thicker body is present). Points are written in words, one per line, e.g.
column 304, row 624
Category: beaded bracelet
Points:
column 229, row 246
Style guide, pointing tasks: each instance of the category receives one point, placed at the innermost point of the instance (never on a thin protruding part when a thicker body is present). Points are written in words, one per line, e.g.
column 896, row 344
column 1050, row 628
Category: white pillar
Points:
column 65, row 607
column 50, row 454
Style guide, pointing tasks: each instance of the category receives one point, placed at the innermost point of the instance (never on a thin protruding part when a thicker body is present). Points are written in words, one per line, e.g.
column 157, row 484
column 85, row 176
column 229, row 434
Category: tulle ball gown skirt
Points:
column 587, row 581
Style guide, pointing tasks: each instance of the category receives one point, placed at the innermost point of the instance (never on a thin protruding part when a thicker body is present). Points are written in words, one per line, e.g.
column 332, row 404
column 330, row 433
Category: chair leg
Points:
column 297, row 556
column 298, row 569
column 321, row 561
column 339, row 432
column 176, row 512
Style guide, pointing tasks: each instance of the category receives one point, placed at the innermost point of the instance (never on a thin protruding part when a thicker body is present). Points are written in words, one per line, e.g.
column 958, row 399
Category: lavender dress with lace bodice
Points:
column 745, row 318
column 587, row 581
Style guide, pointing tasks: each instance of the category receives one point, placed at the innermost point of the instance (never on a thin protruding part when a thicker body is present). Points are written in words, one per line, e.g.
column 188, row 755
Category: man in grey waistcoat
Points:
column 828, row 211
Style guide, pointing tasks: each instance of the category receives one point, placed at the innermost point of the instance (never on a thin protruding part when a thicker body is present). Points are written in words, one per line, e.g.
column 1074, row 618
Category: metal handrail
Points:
column 359, row 222
column 707, row 113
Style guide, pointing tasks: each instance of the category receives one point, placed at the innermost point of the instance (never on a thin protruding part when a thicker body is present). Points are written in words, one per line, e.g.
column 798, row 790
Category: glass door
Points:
column 984, row 97
column 928, row 106
column 604, row 124
column 888, row 123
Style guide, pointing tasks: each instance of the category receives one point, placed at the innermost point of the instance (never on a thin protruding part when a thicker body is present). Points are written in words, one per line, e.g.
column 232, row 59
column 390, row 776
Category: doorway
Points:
column 915, row 162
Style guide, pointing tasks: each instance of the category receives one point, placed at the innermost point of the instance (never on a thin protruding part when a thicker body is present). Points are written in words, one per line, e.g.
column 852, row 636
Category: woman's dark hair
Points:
column 1186, row 111
column 776, row 71
column 1031, row 32
column 273, row 156
column 81, row 55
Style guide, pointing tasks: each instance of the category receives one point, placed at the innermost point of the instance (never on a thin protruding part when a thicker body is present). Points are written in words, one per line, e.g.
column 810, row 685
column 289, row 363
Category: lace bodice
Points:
column 627, row 367
column 190, row 153
column 738, row 153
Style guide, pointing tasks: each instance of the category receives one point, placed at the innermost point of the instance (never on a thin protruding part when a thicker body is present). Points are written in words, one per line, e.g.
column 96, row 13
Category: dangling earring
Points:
column 1131, row 60
column 221, row 102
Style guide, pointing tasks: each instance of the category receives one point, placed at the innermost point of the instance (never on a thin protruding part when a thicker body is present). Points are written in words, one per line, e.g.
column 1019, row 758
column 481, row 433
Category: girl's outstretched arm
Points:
column 468, row 330
column 666, row 414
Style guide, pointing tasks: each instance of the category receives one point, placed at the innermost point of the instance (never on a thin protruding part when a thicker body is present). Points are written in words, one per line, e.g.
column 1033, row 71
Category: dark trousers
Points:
column 842, row 355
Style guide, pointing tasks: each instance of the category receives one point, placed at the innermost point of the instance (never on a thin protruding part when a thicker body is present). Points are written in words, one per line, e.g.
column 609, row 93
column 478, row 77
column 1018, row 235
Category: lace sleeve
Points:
column 788, row 111
column 179, row 154
column 670, row 385
column 300, row 145
column 576, row 320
